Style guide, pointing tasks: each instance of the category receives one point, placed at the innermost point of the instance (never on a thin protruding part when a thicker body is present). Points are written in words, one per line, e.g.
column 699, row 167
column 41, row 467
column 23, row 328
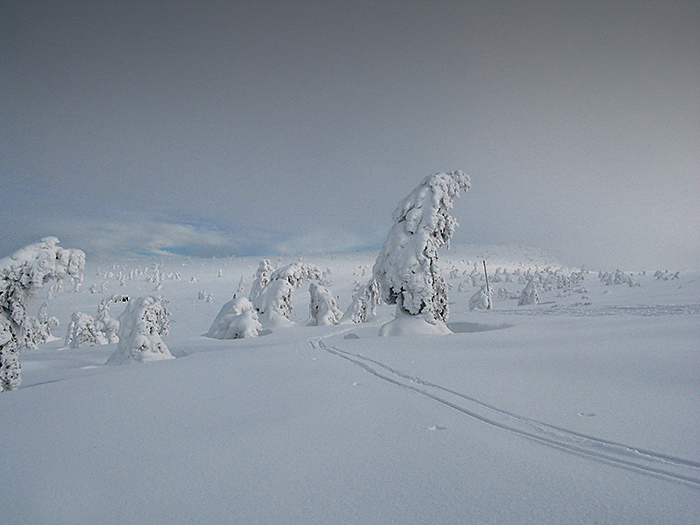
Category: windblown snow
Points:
column 574, row 399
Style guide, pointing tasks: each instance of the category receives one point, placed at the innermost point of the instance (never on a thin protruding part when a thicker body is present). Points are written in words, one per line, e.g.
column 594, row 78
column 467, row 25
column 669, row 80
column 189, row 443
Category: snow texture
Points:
column 141, row 326
column 20, row 274
column 407, row 267
column 237, row 319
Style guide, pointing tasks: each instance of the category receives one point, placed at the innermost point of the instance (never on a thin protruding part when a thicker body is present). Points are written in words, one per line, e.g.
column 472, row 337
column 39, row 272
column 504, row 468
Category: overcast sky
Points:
column 259, row 127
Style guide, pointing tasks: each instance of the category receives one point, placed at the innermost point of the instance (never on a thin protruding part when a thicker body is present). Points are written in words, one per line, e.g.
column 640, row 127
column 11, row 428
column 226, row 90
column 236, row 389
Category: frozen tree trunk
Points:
column 20, row 274
column 407, row 268
column 141, row 326
column 323, row 308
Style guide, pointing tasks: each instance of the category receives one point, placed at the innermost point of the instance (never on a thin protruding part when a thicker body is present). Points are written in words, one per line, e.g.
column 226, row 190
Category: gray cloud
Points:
column 268, row 126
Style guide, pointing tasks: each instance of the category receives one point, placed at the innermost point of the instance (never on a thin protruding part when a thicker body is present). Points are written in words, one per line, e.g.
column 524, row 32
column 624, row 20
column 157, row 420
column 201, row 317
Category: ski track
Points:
column 596, row 311
column 620, row 455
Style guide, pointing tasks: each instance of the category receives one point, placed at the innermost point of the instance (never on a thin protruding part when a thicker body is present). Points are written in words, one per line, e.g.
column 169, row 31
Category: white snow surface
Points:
column 581, row 409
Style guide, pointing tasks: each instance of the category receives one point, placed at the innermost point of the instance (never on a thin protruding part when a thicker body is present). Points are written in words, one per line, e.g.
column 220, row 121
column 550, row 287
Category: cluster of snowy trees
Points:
column 20, row 275
column 270, row 302
column 406, row 273
column 617, row 277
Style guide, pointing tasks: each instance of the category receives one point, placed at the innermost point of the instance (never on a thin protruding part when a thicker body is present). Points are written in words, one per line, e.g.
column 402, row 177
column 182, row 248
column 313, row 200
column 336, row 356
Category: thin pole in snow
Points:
column 488, row 294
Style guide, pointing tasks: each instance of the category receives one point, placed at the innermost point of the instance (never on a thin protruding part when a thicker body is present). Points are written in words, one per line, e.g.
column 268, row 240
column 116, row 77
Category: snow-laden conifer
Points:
column 83, row 332
column 39, row 328
column 529, row 295
column 237, row 319
column 262, row 277
column 104, row 322
column 363, row 307
column 323, row 308
column 482, row 299
column 20, row 274
column 141, row 326
column 407, row 267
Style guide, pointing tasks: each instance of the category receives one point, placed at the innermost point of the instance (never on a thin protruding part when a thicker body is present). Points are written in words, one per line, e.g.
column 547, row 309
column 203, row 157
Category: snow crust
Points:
column 580, row 409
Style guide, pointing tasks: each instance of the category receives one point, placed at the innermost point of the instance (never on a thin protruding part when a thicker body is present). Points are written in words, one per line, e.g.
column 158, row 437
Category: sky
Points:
column 220, row 128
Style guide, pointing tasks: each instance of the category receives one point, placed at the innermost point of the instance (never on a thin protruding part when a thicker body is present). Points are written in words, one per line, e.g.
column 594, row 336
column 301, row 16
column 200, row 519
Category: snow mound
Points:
column 236, row 320
column 408, row 324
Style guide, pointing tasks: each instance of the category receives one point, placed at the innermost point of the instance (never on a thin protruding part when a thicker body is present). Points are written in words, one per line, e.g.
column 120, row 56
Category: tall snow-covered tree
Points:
column 141, row 326
column 407, row 268
column 20, row 274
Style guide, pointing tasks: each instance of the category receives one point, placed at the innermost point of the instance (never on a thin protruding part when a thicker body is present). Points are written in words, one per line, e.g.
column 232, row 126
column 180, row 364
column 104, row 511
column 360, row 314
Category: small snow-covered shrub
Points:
column 529, row 295
column 83, row 332
column 407, row 268
column 363, row 307
column 237, row 319
column 481, row 300
column 323, row 308
column 141, row 326
column 39, row 328
column 262, row 277
column 20, row 274
column 104, row 323
column 617, row 277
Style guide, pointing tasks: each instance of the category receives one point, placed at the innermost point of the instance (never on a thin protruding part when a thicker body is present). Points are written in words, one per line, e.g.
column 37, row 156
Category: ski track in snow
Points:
column 620, row 455
column 587, row 311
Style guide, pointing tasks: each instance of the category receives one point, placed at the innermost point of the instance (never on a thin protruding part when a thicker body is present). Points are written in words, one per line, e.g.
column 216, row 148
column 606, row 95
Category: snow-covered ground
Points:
column 583, row 408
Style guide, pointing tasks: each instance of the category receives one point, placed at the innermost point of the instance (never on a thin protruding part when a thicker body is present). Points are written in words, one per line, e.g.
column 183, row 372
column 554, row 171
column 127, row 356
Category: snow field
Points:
column 562, row 412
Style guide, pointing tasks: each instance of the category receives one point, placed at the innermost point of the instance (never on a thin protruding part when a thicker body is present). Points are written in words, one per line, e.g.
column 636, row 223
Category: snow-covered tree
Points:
column 481, row 300
column 323, row 308
column 83, row 332
column 141, row 326
column 529, row 295
column 104, row 323
column 262, row 277
column 20, row 274
column 237, row 319
column 39, row 328
column 274, row 302
column 407, row 268
column 363, row 307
